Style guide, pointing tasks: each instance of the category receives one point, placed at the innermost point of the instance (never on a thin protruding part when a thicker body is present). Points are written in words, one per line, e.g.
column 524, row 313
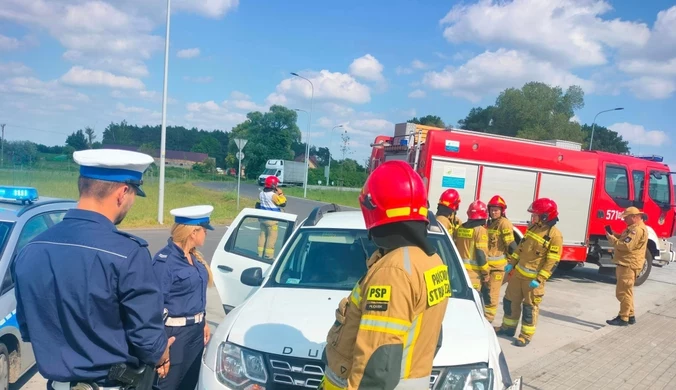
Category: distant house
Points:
column 313, row 163
column 174, row 158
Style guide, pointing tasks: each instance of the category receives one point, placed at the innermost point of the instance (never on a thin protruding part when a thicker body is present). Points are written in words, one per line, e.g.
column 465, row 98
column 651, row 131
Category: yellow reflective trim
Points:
column 382, row 329
column 328, row 385
column 379, row 293
column 525, row 272
column 514, row 256
column 497, row 263
column 386, row 319
column 510, row 322
column 398, row 212
column 355, row 297
column 535, row 237
column 473, row 267
column 506, row 231
column 465, row 232
column 423, row 211
column 493, row 231
column 545, row 274
column 484, row 246
column 409, row 347
column 490, row 310
column 553, row 256
column 527, row 330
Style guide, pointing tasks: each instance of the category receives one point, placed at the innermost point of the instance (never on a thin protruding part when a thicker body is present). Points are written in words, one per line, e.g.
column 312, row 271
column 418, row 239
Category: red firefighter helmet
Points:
column 451, row 199
column 271, row 182
column 545, row 208
column 393, row 192
column 477, row 210
column 498, row 201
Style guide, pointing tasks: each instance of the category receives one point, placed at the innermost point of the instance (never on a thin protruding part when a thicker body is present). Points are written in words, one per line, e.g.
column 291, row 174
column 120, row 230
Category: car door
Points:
column 240, row 248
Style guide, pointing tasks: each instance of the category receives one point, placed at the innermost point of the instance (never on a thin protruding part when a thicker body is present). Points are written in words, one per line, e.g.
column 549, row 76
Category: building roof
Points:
column 313, row 159
column 169, row 154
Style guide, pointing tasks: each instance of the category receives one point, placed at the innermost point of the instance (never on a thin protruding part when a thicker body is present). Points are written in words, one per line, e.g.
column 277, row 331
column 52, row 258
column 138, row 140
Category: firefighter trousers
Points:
column 267, row 239
column 491, row 293
column 624, row 290
column 519, row 292
column 475, row 278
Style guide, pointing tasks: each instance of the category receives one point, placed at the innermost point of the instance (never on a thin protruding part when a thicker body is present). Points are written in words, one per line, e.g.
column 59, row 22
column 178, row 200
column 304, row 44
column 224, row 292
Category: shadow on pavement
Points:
column 585, row 275
column 25, row 378
column 570, row 319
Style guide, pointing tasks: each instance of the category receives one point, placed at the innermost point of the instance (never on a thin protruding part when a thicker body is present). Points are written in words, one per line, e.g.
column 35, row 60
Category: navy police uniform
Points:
column 87, row 297
column 184, row 288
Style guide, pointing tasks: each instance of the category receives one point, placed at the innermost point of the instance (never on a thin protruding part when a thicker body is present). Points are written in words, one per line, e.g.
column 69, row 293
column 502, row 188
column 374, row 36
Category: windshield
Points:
column 335, row 259
column 269, row 172
column 5, row 229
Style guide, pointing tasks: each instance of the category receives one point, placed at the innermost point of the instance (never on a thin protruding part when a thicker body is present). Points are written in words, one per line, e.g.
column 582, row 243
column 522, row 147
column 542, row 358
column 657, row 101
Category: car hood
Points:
column 295, row 322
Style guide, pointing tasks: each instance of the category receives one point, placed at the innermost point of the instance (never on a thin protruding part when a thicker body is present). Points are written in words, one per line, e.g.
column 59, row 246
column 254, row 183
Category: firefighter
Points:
column 387, row 331
column 534, row 260
column 271, row 198
column 447, row 209
column 471, row 238
column 500, row 245
column 630, row 248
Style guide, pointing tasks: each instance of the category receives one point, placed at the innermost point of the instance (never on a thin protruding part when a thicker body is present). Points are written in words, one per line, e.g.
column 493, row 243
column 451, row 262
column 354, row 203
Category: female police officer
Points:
column 183, row 276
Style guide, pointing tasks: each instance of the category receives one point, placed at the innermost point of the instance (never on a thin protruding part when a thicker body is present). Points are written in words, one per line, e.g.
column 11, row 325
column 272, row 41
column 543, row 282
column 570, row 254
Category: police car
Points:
column 279, row 313
column 23, row 215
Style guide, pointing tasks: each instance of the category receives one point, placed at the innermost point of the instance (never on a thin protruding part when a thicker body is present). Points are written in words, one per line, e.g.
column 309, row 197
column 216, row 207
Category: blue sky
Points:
column 68, row 64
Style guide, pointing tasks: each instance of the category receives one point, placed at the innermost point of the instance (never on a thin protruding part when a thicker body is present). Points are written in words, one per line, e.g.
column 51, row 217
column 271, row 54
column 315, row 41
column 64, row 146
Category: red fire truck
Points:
column 591, row 188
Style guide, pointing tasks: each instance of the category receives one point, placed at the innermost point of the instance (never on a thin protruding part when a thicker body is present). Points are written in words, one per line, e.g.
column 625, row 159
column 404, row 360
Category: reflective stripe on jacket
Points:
column 500, row 235
column 538, row 253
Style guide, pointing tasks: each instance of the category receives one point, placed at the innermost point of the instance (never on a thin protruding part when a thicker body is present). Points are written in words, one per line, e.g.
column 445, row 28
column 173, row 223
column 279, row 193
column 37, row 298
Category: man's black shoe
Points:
column 632, row 320
column 617, row 321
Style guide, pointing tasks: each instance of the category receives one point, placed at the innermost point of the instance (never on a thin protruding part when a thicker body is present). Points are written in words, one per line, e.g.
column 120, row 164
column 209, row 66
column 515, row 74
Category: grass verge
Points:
column 144, row 212
column 344, row 198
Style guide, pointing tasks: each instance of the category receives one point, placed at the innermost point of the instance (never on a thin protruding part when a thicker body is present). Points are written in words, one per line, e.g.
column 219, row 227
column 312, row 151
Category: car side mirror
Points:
column 252, row 276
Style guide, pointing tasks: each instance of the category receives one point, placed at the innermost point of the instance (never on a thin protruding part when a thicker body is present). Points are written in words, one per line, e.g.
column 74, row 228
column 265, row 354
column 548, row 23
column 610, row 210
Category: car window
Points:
column 259, row 238
column 5, row 230
column 335, row 259
column 617, row 185
column 658, row 188
column 639, row 178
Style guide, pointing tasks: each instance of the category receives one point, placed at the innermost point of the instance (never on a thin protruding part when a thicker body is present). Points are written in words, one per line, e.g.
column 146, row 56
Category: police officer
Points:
column 471, row 238
column 271, row 198
column 184, row 275
column 87, row 298
column 387, row 333
column 500, row 244
column 534, row 260
column 447, row 209
column 629, row 255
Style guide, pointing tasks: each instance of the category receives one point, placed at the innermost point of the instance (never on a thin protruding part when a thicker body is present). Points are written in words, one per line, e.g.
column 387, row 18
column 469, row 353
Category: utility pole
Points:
column 2, row 147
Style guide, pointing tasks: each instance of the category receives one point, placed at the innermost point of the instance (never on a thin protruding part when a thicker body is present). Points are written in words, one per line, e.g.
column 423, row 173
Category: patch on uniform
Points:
column 438, row 284
column 343, row 370
column 537, row 299
column 376, row 306
column 554, row 248
column 498, row 276
column 506, row 231
column 379, row 293
column 484, row 237
column 627, row 239
column 465, row 232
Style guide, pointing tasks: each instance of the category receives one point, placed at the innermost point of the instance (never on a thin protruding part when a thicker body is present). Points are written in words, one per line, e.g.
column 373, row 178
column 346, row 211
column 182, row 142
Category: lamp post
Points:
column 591, row 139
column 328, row 177
column 307, row 144
column 163, row 141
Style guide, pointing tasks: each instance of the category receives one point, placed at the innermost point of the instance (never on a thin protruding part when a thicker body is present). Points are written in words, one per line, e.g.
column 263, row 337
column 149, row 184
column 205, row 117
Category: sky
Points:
column 68, row 64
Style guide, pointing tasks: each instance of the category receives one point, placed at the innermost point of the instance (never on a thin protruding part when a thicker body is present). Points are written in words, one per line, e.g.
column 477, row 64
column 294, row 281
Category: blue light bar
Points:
column 654, row 157
column 24, row 194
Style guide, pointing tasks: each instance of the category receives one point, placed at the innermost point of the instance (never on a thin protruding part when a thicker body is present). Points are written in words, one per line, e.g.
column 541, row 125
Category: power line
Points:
column 35, row 129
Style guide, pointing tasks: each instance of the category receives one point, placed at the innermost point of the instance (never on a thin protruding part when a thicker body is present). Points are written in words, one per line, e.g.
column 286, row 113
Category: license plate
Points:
column 516, row 385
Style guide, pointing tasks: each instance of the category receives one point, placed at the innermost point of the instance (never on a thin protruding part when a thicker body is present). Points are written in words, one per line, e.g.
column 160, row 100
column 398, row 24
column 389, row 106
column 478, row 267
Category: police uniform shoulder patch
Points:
column 141, row 242
column 161, row 257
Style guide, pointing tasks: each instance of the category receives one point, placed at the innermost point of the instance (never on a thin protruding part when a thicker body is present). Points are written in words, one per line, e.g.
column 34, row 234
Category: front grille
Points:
column 292, row 373
column 434, row 377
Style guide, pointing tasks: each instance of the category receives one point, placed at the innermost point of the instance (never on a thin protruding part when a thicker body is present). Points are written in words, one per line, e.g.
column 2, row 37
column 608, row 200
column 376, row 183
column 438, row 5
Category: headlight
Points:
column 471, row 377
column 240, row 368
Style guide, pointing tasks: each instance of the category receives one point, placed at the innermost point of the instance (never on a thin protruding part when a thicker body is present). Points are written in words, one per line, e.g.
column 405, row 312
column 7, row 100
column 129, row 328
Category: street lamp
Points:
column 307, row 145
column 328, row 177
column 163, row 141
column 594, row 124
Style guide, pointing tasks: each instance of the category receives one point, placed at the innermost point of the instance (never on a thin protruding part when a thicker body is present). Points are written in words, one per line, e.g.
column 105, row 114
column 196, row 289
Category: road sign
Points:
column 240, row 143
column 239, row 155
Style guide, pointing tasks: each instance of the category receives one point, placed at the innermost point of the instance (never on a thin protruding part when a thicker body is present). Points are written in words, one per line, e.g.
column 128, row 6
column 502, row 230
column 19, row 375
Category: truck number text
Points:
column 614, row 215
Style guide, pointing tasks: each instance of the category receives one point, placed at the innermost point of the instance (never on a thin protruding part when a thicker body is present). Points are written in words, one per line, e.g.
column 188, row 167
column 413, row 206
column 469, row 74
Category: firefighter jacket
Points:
column 450, row 223
column 538, row 252
column 500, row 238
column 630, row 246
column 472, row 243
column 386, row 334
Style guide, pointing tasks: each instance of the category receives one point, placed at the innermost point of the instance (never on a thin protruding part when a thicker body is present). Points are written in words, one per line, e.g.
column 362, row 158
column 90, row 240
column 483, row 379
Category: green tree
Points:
column 605, row 140
column 429, row 120
column 478, row 119
column 91, row 136
column 77, row 140
column 22, row 152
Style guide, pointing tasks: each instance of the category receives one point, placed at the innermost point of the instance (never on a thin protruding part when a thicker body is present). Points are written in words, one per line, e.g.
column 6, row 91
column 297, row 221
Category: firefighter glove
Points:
column 534, row 284
column 508, row 268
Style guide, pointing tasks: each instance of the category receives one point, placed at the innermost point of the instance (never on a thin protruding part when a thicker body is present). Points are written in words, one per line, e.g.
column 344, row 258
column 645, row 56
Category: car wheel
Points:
column 645, row 271
column 4, row 367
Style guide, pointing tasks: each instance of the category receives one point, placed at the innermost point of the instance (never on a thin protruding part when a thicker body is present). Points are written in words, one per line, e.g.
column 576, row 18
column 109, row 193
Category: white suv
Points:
column 280, row 312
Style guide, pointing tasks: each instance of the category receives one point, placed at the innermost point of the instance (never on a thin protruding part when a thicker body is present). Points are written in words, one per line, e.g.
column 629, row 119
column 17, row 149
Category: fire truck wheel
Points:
column 647, row 267
column 566, row 265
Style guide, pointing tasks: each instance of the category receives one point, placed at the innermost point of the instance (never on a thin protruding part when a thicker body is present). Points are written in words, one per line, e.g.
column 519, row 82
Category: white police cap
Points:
column 116, row 165
column 194, row 215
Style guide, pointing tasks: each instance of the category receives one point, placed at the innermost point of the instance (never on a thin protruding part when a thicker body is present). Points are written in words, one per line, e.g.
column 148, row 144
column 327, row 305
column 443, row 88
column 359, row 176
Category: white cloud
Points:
column 276, row 98
column 569, row 32
column 638, row 135
column 491, row 72
column 402, row 70
column 649, row 67
column 137, row 110
column 212, row 115
column 648, row 87
column 417, row 64
column 327, row 86
column 8, row 43
column 239, row 95
column 80, row 76
column 210, row 8
column 129, row 66
column 367, row 67
column 188, row 53
column 13, row 68
column 33, row 86
column 417, row 94
column 210, row 106
column 575, row 118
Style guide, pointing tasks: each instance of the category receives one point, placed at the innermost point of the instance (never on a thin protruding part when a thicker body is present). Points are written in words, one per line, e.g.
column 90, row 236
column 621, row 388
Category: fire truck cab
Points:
column 591, row 188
